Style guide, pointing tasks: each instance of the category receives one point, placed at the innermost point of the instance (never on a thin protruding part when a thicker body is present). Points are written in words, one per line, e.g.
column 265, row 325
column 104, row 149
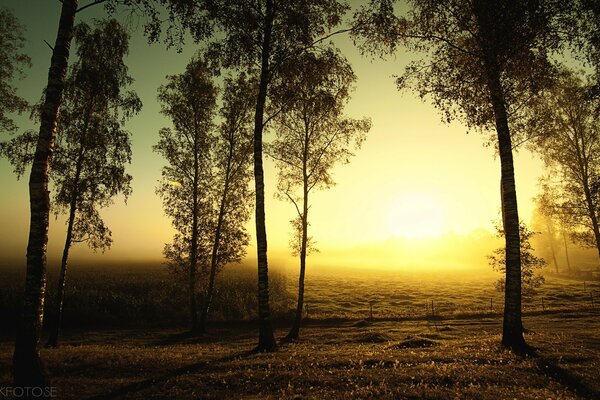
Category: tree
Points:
column 28, row 369
column 530, row 263
column 482, row 61
column 312, row 136
column 12, row 63
column 261, row 38
column 569, row 143
column 189, row 99
column 92, row 149
column 231, row 160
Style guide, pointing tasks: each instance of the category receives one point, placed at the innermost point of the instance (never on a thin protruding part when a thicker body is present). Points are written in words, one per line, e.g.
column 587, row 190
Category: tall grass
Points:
column 148, row 297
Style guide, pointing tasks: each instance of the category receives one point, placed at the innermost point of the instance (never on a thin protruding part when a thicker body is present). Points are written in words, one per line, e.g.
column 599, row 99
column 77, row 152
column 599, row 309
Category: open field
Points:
column 403, row 352
column 419, row 359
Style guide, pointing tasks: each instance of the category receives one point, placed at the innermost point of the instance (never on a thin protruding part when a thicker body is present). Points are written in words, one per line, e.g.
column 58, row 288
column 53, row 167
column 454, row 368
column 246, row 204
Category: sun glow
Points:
column 415, row 215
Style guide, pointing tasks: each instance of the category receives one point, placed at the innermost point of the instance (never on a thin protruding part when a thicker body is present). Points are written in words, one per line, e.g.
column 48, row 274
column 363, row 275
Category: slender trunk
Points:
column 551, row 241
column 60, row 292
column 194, row 243
column 512, row 330
column 27, row 368
column 592, row 214
column 266, row 340
column 566, row 250
column 217, row 240
column 294, row 333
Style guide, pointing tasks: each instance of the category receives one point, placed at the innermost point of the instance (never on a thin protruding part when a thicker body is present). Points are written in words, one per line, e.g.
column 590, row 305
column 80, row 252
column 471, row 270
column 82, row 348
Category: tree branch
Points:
column 93, row 3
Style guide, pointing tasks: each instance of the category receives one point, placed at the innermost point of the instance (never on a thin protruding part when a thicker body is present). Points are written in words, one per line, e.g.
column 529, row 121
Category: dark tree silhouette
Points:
column 189, row 100
column 88, row 168
column 569, row 144
column 483, row 60
column 12, row 64
column 260, row 37
column 28, row 369
column 312, row 136
column 231, row 154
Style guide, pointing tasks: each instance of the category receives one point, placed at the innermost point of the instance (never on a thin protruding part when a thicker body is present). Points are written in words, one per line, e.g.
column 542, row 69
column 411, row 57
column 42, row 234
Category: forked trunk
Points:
column 60, row 290
column 266, row 340
column 294, row 333
column 214, row 259
column 28, row 369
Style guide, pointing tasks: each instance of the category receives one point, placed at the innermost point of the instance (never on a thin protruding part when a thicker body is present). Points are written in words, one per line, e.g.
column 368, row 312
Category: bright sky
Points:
column 415, row 177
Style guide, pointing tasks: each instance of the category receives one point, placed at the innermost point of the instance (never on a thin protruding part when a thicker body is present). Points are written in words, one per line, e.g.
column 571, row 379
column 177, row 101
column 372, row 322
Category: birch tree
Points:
column 569, row 144
column 92, row 147
column 259, row 37
column 482, row 61
column 28, row 369
column 231, row 156
column 312, row 136
column 189, row 100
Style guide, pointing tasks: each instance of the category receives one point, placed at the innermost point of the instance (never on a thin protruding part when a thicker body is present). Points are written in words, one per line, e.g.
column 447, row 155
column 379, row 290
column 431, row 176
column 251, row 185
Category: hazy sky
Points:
column 415, row 177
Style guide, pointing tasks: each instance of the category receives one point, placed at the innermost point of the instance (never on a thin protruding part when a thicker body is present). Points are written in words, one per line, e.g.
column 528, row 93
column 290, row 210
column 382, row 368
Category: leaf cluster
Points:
column 530, row 263
column 12, row 65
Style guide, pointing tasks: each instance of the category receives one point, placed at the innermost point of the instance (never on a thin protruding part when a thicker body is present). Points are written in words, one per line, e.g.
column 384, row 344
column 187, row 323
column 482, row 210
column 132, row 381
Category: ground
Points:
column 415, row 358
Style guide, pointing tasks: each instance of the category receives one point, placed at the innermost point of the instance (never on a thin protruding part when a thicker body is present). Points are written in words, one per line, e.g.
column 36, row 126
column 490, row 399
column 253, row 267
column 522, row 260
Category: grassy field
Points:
column 403, row 352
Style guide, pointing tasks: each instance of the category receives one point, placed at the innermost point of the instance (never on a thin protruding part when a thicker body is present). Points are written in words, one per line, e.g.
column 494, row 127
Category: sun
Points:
column 415, row 215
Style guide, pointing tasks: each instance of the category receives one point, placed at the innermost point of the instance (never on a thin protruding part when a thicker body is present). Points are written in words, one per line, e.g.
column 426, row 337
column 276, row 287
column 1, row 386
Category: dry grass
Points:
column 447, row 359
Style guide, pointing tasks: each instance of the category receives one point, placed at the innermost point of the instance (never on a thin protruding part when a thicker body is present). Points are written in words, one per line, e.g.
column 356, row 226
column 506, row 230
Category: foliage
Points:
column 530, row 263
column 312, row 135
column 92, row 147
column 568, row 140
column 12, row 64
column 207, row 161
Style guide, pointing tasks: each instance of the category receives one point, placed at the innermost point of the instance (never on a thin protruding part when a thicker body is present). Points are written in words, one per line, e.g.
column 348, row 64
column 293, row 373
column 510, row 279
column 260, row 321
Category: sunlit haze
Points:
column 415, row 183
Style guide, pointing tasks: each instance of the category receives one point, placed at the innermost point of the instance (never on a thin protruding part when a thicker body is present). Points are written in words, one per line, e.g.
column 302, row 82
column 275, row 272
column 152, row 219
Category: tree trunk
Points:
column 60, row 291
column 266, row 340
column 194, row 243
column 28, row 369
column 294, row 333
column 566, row 250
column 217, row 240
column 592, row 214
column 512, row 331
column 551, row 242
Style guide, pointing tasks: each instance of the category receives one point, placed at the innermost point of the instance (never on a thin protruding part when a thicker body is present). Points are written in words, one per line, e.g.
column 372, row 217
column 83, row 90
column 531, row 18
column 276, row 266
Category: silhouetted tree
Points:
column 569, row 143
column 28, row 369
column 88, row 168
column 312, row 136
column 261, row 38
column 483, row 60
column 580, row 26
column 530, row 263
column 12, row 64
column 231, row 156
column 189, row 100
